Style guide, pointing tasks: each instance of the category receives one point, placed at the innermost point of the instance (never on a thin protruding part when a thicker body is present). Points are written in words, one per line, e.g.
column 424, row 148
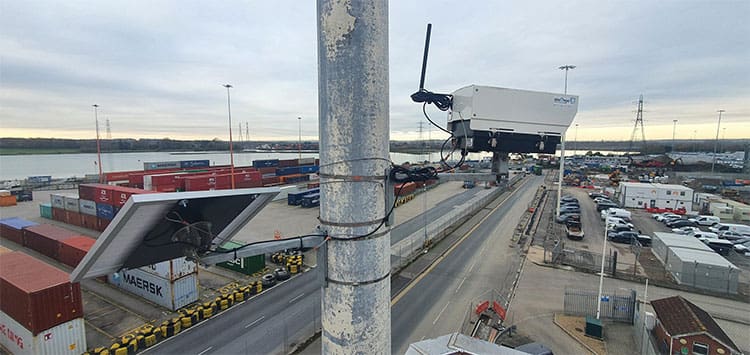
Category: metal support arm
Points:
column 270, row 246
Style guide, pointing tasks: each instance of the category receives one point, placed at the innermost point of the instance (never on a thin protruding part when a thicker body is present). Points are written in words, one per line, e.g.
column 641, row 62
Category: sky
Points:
column 156, row 68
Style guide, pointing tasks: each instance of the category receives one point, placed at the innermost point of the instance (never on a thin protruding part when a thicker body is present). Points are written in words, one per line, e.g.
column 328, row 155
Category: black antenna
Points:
column 424, row 59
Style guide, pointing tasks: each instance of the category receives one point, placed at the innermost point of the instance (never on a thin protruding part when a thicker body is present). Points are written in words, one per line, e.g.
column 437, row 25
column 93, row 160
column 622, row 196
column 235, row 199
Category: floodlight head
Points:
column 492, row 119
column 152, row 228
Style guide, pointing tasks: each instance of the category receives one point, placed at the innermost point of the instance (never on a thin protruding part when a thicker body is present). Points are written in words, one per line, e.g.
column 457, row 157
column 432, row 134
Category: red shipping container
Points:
column 45, row 238
column 12, row 234
column 270, row 180
column 36, row 295
column 58, row 214
column 73, row 218
column 103, row 194
column 271, row 170
column 72, row 250
column 89, row 221
column 87, row 192
column 288, row 162
column 102, row 224
column 120, row 194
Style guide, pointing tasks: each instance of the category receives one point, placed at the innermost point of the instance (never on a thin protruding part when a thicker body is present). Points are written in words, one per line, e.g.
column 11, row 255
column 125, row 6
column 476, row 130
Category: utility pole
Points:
column 299, row 141
column 674, row 130
column 638, row 121
column 231, row 152
column 716, row 142
column 354, row 161
column 98, row 145
column 561, row 174
column 575, row 142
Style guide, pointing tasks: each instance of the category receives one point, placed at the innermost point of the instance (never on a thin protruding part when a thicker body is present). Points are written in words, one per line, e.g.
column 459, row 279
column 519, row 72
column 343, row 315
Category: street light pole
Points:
column 716, row 142
column 299, row 141
column 575, row 142
column 566, row 68
column 98, row 145
column 674, row 130
column 231, row 150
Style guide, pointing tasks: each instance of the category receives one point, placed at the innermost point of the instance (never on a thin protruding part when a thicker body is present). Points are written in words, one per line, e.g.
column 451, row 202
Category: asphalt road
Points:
column 437, row 303
column 272, row 321
column 406, row 229
column 258, row 326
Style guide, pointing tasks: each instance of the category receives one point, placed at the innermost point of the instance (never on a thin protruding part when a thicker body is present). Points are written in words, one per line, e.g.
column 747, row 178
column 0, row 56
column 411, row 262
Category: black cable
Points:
column 442, row 101
column 402, row 174
column 424, row 110
column 234, row 250
column 382, row 222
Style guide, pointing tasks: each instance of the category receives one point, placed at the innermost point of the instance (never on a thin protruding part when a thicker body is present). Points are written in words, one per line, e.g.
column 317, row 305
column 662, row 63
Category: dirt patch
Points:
column 575, row 326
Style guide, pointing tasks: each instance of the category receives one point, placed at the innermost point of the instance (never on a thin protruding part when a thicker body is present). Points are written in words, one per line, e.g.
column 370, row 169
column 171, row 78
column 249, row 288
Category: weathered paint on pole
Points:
column 353, row 121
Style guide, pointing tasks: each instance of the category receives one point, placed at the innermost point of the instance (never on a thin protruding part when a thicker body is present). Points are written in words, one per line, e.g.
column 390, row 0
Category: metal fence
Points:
column 617, row 306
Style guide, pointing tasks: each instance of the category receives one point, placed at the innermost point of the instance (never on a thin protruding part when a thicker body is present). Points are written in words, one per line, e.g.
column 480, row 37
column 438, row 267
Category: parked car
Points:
column 594, row 195
column 687, row 230
column 615, row 228
column 564, row 217
column 627, row 237
column 602, row 199
column 568, row 198
column 729, row 235
column 702, row 234
column 574, row 230
column 645, row 240
column 618, row 220
column 669, row 219
column 742, row 248
column 706, row 220
column 605, row 205
column 616, row 212
column 732, row 227
column 570, row 209
column 572, row 204
column 661, row 216
column 720, row 246
column 681, row 223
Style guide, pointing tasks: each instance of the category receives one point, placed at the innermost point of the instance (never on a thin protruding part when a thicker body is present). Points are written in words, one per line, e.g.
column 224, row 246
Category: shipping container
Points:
column 267, row 171
column 170, row 294
column 66, row 338
column 87, row 191
column 105, row 211
column 87, row 207
column 71, row 203
column 308, row 169
column 72, row 250
column 9, row 200
column 120, row 194
column 37, row 295
column 12, row 228
column 311, row 200
column 39, row 180
column 57, row 200
column 288, row 162
column 45, row 210
column 90, row 222
column 58, row 214
column 307, row 161
column 265, row 163
column 45, row 238
column 288, row 170
column 102, row 224
column 189, row 164
column 103, row 194
column 270, row 181
column 161, row 165
column 73, row 218
column 247, row 265
column 172, row 269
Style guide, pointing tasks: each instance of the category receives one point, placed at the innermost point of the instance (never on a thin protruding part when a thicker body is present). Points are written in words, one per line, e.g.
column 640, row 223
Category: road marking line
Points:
column 441, row 257
column 461, row 284
column 296, row 298
column 204, row 351
column 475, row 261
column 255, row 322
column 441, row 313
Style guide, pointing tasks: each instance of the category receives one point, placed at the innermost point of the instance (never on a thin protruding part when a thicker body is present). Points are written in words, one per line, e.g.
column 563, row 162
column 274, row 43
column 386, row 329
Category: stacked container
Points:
column 172, row 284
column 12, row 229
column 72, row 250
column 46, row 238
column 41, row 311
column 99, row 203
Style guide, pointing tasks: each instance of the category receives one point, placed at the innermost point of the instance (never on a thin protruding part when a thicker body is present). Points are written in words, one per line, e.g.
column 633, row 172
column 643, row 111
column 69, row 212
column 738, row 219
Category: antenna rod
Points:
column 424, row 59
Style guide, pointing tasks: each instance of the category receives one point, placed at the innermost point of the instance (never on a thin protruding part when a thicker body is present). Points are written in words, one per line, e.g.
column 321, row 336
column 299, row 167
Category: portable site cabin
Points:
column 648, row 195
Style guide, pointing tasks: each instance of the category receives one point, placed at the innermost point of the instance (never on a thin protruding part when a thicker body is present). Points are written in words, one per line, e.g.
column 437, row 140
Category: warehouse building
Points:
column 648, row 195
column 693, row 263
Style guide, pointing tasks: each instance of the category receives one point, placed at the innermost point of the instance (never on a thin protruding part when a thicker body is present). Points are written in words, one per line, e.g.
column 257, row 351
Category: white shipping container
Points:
column 170, row 294
column 87, row 207
column 57, row 201
column 147, row 182
column 66, row 338
column 172, row 269
column 306, row 161
column 71, row 203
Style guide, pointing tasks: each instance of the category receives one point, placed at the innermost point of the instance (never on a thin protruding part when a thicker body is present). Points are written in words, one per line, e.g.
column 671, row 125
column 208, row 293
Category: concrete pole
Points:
column 560, row 177
column 716, row 142
column 354, row 138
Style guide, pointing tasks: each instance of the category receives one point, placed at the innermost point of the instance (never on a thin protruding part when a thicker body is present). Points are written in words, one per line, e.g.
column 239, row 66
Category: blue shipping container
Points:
column 42, row 179
column 105, row 211
column 268, row 163
column 309, row 169
column 17, row 223
column 287, row 171
column 187, row 164
column 295, row 198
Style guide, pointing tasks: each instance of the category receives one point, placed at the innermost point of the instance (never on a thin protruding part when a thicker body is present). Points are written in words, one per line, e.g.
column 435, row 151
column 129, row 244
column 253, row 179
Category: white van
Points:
column 707, row 235
column 737, row 228
column 706, row 220
column 616, row 212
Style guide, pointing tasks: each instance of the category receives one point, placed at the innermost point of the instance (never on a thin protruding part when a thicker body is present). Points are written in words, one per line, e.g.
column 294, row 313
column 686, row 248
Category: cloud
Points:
column 156, row 67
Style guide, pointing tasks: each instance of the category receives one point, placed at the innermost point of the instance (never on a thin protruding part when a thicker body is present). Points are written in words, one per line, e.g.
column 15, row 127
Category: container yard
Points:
column 116, row 305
